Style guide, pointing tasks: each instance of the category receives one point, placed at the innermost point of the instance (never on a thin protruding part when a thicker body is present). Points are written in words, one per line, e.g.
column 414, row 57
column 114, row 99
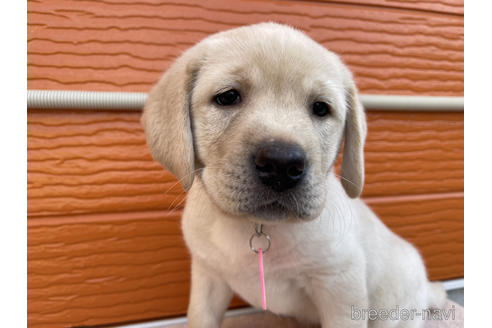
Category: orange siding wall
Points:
column 125, row 45
column 104, row 242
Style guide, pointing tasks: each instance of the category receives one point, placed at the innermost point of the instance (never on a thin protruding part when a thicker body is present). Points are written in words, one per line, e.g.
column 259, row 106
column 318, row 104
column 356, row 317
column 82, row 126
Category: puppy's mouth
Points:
column 272, row 211
column 284, row 207
column 237, row 192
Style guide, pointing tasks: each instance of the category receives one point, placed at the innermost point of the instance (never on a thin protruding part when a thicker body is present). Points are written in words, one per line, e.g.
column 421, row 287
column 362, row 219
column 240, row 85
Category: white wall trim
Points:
column 182, row 320
column 454, row 284
column 448, row 285
column 98, row 100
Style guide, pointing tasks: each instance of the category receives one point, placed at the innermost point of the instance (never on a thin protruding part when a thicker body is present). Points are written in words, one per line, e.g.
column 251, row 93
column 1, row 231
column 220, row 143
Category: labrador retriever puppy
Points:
column 251, row 121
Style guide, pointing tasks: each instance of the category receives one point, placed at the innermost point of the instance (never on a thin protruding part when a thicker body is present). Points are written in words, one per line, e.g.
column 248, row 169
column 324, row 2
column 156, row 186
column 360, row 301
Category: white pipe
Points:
column 93, row 100
column 413, row 103
column 97, row 100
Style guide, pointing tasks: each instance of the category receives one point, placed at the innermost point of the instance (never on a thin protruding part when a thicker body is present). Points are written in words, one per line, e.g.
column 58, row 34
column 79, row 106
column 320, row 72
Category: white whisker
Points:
column 344, row 178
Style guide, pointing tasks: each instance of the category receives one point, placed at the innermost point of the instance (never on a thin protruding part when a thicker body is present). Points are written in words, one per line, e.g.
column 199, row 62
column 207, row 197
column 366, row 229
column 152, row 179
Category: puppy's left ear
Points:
column 353, row 153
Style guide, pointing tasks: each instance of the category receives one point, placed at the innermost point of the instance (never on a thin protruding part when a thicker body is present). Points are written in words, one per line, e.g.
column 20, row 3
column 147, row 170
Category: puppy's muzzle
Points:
column 280, row 166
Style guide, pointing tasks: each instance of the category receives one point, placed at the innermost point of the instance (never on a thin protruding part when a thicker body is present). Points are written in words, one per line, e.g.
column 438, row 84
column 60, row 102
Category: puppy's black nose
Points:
column 280, row 165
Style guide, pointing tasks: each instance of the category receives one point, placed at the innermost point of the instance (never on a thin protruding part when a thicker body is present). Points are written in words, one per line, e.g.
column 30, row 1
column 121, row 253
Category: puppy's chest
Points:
column 285, row 282
column 286, row 279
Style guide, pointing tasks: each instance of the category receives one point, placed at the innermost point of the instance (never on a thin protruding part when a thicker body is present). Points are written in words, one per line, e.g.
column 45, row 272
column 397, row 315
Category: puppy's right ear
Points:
column 166, row 118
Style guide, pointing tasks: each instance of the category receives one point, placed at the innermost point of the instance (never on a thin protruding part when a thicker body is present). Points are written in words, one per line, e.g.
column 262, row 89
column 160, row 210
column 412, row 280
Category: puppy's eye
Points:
column 228, row 98
column 321, row 109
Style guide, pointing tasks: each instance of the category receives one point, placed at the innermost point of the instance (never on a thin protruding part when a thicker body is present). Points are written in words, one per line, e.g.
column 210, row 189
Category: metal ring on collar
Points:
column 259, row 235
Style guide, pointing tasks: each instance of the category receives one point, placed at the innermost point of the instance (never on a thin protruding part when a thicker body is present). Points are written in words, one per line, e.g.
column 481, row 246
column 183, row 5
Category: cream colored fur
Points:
column 329, row 251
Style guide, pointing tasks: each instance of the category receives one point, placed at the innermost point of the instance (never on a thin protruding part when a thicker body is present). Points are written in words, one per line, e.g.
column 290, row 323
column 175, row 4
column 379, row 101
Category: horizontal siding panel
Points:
column 435, row 225
column 106, row 268
column 86, row 162
column 452, row 7
column 414, row 153
column 125, row 46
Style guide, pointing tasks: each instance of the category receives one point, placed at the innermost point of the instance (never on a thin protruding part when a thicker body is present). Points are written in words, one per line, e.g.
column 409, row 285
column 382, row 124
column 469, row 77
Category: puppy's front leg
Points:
column 210, row 296
column 335, row 298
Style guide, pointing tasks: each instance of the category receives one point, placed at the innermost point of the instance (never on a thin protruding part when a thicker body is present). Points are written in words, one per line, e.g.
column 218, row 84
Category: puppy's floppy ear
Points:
column 166, row 118
column 353, row 153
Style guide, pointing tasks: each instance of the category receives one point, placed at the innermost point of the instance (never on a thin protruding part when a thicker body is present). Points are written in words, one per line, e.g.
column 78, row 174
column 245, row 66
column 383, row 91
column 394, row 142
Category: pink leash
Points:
column 262, row 279
column 258, row 234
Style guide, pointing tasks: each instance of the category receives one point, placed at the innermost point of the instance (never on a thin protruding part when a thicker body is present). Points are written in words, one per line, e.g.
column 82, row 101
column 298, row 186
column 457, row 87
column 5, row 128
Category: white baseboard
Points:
column 448, row 285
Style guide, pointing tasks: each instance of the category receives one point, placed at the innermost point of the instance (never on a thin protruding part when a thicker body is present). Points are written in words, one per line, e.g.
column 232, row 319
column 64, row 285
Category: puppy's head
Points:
column 258, row 113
